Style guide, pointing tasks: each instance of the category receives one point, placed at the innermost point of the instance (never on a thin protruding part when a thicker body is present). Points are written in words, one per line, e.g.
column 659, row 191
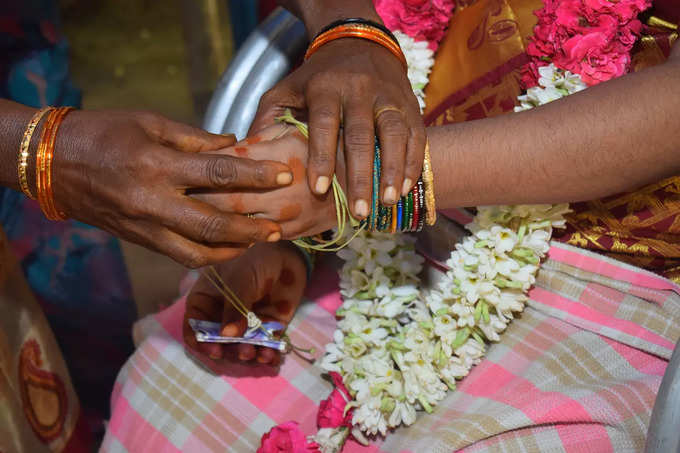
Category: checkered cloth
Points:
column 578, row 371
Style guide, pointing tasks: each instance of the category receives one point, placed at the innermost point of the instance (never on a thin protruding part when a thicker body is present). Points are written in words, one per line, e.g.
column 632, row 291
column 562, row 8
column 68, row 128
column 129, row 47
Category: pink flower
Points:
column 332, row 410
column 286, row 438
column 529, row 78
column 420, row 19
column 593, row 58
column 592, row 38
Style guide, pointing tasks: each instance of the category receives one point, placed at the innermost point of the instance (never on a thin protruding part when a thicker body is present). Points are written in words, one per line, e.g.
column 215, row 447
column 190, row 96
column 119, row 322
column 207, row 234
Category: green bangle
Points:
column 310, row 259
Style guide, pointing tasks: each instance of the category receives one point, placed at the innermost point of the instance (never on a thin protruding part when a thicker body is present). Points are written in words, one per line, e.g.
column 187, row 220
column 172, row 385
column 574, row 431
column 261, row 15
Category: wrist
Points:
column 316, row 15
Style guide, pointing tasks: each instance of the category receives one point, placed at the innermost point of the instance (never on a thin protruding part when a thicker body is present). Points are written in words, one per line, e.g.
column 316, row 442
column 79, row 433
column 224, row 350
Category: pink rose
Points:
column 593, row 58
column 286, row 438
column 629, row 34
column 529, row 77
column 420, row 19
column 624, row 10
column 332, row 410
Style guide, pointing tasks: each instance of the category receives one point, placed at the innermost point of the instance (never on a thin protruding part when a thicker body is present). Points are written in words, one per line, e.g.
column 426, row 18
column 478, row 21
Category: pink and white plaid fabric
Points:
column 578, row 371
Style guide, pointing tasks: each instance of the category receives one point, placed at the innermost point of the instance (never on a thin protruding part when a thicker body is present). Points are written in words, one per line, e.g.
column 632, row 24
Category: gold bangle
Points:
column 24, row 149
column 360, row 31
column 428, row 181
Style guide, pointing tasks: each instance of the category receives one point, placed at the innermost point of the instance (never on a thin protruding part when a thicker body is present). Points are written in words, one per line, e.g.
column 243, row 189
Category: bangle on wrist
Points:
column 361, row 29
column 43, row 163
column 24, row 150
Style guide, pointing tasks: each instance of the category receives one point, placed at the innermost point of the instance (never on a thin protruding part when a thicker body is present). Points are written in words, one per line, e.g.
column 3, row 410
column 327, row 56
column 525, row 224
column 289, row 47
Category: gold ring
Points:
column 388, row 109
column 250, row 216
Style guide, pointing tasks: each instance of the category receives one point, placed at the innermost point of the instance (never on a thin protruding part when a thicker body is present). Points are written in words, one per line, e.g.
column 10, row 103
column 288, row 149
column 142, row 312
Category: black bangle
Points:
column 360, row 21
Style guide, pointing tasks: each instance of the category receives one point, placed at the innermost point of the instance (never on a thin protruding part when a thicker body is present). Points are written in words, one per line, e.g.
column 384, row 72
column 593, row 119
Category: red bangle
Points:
column 360, row 31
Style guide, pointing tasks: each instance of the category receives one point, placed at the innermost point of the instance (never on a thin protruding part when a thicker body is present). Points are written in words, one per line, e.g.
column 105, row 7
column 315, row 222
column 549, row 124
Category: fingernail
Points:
column 284, row 178
column 274, row 237
column 322, row 183
column 230, row 330
column 262, row 359
column 242, row 357
column 361, row 208
column 406, row 188
column 390, row 196
column 251, row 245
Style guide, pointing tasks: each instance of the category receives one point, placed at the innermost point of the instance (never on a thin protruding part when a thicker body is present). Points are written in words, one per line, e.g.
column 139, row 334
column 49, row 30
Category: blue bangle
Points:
column 309, row 261
column 400, row 214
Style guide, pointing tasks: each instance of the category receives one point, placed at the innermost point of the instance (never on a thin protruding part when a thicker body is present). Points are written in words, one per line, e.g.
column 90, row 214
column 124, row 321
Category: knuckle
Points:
column 361, row 181
column 151, row 121
column 392, row 126
column 255, row 230
column 413, row 165
column 269, row 97
column 221, row 172
column 211, row 228
column 319, row 82
column 194, row 260
column 260, row 174
column 321, row 159
column 361, row 81
column 358, row 138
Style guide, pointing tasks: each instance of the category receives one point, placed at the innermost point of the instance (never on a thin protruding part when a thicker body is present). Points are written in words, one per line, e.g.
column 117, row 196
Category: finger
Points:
column 274, row 103
column 213, row 171
column 205, row 224
column 253, row 280
column 201, row 306
column 415, row 151
column 324, row 125
column 233, row 322
column 183, row 137
column 359, row 140
column 246, row 352
column 266, row 355
column 186, row 252
column 393, row 135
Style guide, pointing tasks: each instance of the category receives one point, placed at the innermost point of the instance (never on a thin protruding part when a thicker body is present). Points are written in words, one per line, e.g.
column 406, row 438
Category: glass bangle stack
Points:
column 407, row 215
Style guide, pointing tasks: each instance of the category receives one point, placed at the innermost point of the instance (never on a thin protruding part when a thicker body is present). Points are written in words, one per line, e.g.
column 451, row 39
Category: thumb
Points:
column 285, row 95
column 183, row 137
column 251, row 283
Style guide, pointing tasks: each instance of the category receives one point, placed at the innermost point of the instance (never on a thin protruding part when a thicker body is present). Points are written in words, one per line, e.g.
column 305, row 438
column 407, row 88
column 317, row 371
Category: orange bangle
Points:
column 44, row 164
column 40, row 159
column 49, row 155
column 360, row 31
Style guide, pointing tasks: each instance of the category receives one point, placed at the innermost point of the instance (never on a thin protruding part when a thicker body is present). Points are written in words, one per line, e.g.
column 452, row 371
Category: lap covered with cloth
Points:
column 578, row 370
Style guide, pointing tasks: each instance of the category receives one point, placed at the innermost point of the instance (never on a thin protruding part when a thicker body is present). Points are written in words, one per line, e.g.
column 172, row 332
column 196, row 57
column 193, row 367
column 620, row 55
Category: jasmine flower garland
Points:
column 398, row 348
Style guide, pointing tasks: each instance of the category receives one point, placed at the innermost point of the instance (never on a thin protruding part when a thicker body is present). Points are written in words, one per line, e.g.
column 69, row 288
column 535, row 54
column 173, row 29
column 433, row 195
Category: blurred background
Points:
column 164, row 56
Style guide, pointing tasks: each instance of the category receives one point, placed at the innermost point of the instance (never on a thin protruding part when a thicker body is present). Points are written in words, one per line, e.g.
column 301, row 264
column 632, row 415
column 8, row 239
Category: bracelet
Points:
column 24, row 149
column 359, row 21
column 44, row 159
column 412, row 211
column 428, row 180
column 362, row 31
column 310, row 258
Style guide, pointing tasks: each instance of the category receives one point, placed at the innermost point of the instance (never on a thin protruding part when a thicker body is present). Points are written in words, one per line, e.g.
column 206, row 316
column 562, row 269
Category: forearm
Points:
column 13, row 121
column 316, row 14
column 613, row 137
